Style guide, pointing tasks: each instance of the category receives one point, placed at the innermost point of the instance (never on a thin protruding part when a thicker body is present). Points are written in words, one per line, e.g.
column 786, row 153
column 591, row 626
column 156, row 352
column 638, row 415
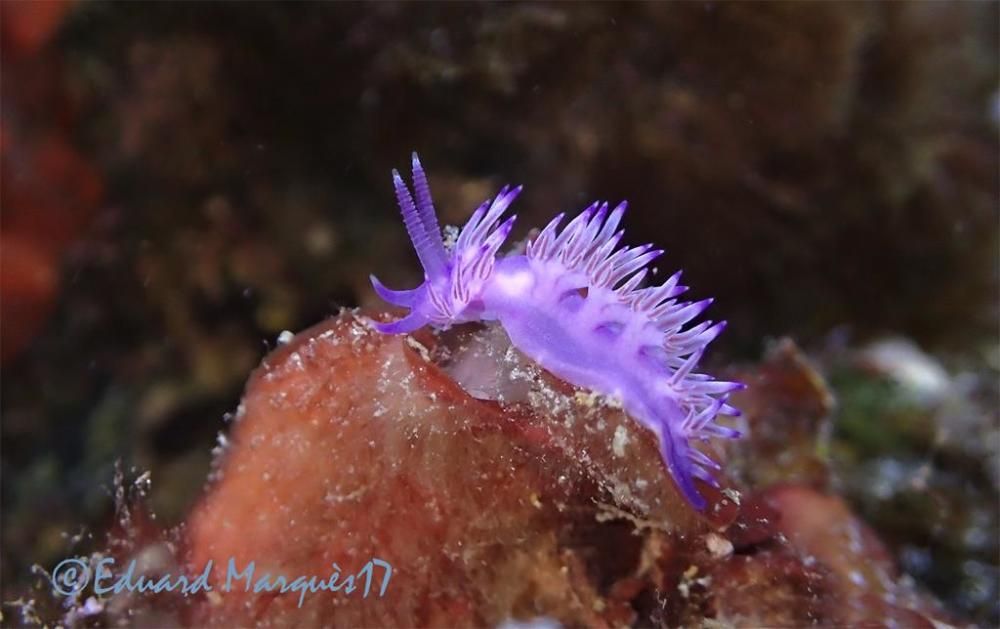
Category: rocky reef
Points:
column 498, row 494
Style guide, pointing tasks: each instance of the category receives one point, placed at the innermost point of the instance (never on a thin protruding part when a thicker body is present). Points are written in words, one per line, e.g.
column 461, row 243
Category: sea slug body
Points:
column 575, row 304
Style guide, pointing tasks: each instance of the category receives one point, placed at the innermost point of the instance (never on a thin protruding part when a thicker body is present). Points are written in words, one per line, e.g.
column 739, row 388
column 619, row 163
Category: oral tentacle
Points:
column 403, row 298
column 409, row 323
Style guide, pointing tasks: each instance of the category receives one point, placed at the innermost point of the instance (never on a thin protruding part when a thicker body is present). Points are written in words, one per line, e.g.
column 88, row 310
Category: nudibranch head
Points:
column 453, row 280
column 575, row 303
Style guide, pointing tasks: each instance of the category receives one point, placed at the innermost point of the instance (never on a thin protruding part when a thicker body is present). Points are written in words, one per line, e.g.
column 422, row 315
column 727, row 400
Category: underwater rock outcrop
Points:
column 497, row 492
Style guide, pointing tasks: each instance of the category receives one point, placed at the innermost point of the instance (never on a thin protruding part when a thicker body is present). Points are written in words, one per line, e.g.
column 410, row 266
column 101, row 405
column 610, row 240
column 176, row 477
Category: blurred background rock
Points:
column 182, row 182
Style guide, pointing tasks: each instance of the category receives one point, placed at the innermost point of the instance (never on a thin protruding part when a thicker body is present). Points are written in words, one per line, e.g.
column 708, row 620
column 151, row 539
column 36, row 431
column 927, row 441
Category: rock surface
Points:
column 350, row 445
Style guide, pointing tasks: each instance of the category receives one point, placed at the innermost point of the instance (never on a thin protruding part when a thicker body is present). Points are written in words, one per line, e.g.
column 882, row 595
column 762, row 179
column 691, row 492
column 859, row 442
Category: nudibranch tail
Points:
column 629, row 329
column 575, row 303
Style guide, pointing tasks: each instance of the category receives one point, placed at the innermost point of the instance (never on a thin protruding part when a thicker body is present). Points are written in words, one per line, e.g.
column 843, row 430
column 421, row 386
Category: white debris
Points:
column 718, row 545
column 620, row 441
column 918, row 374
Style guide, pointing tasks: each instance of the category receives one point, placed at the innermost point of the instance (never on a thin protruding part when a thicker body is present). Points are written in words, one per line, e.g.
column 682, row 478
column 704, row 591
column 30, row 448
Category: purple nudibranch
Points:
column 576, row 305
